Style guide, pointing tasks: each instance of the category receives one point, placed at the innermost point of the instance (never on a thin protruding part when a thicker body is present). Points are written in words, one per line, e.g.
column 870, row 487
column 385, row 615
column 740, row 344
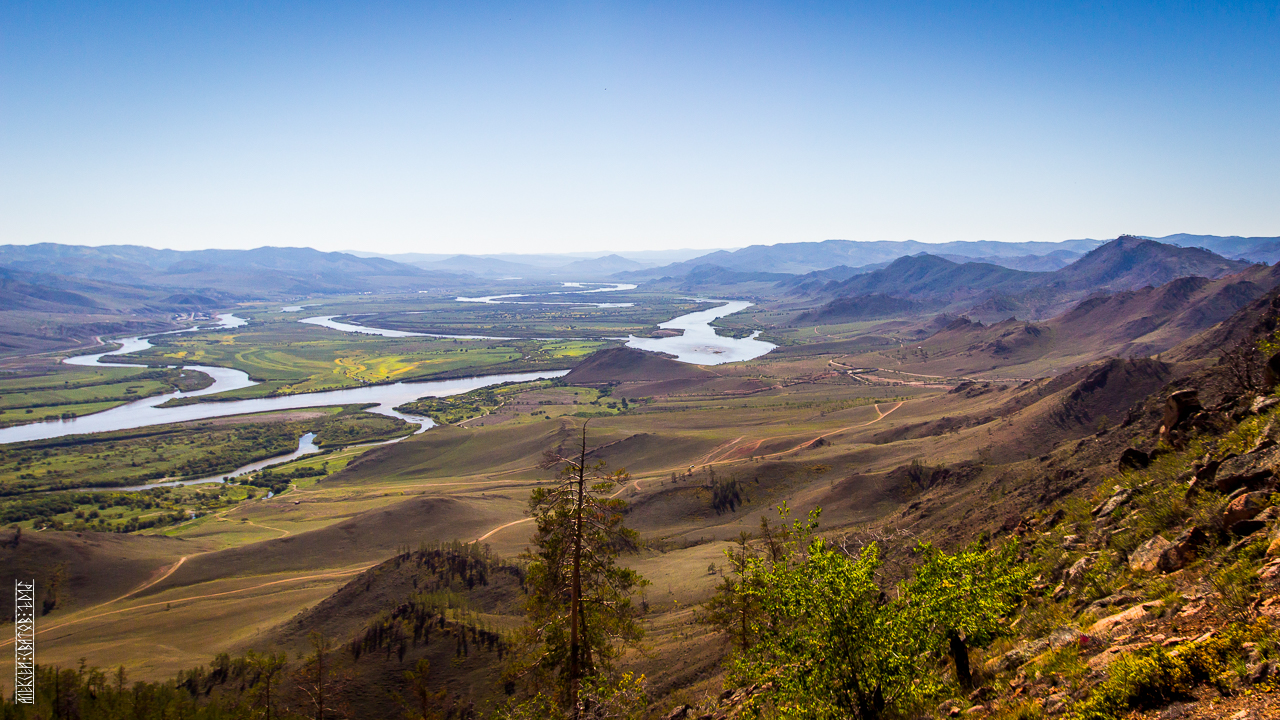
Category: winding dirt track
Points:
column 77, row 620
column 721, row 450
column 149, row 583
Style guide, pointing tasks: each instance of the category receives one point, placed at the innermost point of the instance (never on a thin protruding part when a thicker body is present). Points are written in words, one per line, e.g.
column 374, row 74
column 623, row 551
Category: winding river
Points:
column 306, row 446
column 329, row 322
column 145, row 412
column 698, row 344
column 507, row 299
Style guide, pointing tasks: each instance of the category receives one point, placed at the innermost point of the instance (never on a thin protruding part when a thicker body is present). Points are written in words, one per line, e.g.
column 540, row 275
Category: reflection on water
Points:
column 227, row 320
column 329, row 322
column 506, row 299
column 699, row 344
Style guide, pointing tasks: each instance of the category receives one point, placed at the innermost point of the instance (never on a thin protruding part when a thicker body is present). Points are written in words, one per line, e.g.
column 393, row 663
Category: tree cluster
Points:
column 830, row 638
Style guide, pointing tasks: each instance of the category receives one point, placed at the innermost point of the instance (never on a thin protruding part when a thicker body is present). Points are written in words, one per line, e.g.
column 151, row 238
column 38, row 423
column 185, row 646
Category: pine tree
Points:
column 579, row 604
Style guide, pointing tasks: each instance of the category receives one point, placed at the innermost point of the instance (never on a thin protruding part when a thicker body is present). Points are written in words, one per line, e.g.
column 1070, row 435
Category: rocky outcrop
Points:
column 1111, row 504
column 1138, row 613
column 1245, row 507
column 1133, row 459
column 1178, row 408
column 1271, row 371
column 1252, row 470
column 1149, row 554
column 1184, row 550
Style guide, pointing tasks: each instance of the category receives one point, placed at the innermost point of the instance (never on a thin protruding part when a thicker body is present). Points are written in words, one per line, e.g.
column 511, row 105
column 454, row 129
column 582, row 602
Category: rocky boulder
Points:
column 1110, row 624
column 1133, row 459
column 1246, row 507
column 1263, row 404
column 1184, row 550
column 1112, row 503
column 1180, row 406
column 1077, row 571
column 1252, row 470
column 1146, row 558
column 1273, row 550
column 1271, row 371
column 1269, row 437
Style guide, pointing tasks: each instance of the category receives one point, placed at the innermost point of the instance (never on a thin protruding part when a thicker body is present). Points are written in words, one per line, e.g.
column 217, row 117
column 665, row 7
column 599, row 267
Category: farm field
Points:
column 58, row 390
column 183, row 450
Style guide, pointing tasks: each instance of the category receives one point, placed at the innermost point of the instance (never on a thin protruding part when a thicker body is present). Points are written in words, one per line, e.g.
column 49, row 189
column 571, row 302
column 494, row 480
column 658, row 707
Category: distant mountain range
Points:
column 250, row 274
column 806, row 257
column 578, row 266
column 60, row 296
column 987, row 291
column 1252, row 249
column 1136, row 323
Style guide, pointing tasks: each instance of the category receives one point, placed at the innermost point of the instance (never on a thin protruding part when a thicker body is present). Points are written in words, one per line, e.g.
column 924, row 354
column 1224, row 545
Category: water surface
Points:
column 699, row 344
column 329, row 322
column 144, row 412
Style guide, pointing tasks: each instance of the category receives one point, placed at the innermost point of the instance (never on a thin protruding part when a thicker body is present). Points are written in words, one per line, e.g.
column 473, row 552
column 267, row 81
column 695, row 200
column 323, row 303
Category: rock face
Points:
column 1252, row 470
column 1148, row 555
column 1180, row 406
column 1133, row 459
column 1185, row 549
column 1246, row 507
column 1075, row 575
column 1274, row 549
column 1137, row 613
column 1112, row 503
column 1263, row 404
column 1271, row 372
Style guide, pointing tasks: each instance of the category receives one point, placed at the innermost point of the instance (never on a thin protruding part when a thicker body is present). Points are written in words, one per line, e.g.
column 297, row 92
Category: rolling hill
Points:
column 991, row 292
column 1128, row 263
column 1130, row 324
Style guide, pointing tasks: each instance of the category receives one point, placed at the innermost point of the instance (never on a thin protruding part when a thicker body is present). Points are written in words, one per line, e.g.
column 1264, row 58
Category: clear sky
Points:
column 522, row 127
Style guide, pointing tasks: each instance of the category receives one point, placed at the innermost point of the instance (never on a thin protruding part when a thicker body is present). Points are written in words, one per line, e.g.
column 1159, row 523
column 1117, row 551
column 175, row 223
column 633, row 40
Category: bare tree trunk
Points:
column 960, row 655
column 319, row 683
column 575, row 596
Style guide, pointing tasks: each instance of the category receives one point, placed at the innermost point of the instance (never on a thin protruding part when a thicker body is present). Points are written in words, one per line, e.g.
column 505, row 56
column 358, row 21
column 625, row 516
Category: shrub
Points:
column 1238, row 585
column 1156, row 676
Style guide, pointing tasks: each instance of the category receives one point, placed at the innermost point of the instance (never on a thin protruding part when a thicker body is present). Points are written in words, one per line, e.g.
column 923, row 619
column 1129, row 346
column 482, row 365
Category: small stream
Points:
column 306, row 446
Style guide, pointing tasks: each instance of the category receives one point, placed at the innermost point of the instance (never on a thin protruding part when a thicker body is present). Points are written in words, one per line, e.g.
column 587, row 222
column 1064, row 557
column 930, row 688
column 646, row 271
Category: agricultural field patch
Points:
column 186, row 450
column 64, row 391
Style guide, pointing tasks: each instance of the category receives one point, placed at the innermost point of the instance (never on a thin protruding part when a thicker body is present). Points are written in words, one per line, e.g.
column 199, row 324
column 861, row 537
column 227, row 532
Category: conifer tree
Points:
column 580, row 609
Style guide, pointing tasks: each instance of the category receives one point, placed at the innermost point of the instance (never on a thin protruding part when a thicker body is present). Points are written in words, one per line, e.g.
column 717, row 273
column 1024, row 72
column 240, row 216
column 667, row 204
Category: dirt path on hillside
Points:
column 40, row 631
column 724, row 447
column 149, row 583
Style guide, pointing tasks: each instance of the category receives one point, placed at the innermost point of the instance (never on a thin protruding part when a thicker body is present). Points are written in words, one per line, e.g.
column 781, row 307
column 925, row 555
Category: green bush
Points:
column 1238, row 585
column 1157, row 676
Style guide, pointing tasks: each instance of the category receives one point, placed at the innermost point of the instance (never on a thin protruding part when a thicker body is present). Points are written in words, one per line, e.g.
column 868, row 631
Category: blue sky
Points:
column 493, row 127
